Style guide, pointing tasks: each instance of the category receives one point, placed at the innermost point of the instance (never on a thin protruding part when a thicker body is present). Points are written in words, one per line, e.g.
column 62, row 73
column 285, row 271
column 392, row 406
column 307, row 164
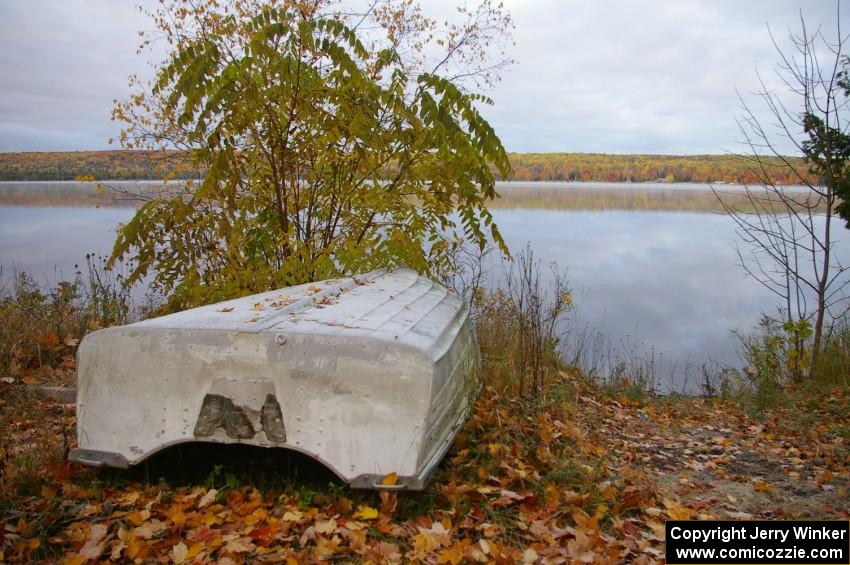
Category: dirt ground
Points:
column 723, row 464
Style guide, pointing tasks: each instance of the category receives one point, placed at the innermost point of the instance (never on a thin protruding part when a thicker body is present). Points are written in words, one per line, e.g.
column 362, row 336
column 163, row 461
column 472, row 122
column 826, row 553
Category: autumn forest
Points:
column 133, row 165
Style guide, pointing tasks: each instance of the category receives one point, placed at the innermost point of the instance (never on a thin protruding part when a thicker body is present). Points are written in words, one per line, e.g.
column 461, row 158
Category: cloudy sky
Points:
column 630, row 76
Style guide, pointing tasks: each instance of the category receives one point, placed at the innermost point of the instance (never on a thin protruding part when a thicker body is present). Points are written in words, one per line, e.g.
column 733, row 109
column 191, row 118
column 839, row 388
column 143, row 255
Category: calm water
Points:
column 48, row 241
column 664, row 284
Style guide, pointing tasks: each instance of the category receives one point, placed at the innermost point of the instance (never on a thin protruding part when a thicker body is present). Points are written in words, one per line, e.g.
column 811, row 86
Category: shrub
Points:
column 518, row 325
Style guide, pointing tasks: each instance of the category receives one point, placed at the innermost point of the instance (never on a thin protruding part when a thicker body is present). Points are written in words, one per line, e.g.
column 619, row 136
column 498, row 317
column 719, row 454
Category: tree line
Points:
column 154, row 165
column 102, row 165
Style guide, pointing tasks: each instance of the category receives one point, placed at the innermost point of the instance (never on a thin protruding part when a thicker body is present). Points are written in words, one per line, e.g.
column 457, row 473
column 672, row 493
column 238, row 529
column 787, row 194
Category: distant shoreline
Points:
column 121, row 165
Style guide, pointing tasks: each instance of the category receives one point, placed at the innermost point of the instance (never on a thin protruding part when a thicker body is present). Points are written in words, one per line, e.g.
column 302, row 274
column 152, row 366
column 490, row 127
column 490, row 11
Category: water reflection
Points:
column 48, row 241
column 530, row 195
column 622, row 196
column 662, row 283
column 125, row 194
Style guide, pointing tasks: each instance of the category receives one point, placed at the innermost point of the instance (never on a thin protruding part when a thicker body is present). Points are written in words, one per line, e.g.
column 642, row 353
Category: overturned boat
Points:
column 370, row 375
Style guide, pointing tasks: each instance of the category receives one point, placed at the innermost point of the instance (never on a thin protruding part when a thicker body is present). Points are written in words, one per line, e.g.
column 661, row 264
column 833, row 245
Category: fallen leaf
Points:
column 208, row 498
column 262, row 536
column 455, row 554
column 129, row 499
column 485, row 546
column 678, row 512
column 529, row 556
column 366, row 513
column 430, row 539
column 95, row 544
column 179, row 552
column 240, row 545
column 326, row 527
column 761, row 486
column 150, row 529
column 293, row 516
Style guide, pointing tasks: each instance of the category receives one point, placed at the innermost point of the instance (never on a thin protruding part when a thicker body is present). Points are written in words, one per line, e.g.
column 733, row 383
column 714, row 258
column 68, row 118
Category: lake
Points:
column 653, row 268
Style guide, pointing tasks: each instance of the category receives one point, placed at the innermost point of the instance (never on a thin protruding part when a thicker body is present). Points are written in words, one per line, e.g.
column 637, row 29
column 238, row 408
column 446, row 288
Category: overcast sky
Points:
column 591, row 75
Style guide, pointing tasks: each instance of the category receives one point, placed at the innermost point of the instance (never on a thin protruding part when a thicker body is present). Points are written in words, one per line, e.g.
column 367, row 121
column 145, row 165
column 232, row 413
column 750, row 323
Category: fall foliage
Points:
column 576, row 475
column 155, row 165
column 102, row 165
column 731, row 169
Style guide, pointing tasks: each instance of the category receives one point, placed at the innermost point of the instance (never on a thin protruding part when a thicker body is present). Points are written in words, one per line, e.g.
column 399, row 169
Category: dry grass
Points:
column 518, row 326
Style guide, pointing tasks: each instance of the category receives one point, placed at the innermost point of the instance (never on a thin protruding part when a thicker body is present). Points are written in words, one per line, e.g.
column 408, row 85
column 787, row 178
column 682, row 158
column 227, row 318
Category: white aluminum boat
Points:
column 369, row 375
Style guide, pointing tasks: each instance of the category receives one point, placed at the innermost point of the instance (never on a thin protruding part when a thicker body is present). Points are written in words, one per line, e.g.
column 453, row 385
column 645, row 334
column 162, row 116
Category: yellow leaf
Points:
column 762, row 486
column 678, row 512
column 210, row 519
column 194, row 551
column 128, row 499
column 455, row 554
column 177, row 518
column 134, row 546
column 366, row 513
column 430, row 539
column 139, row 517
column 257, row 515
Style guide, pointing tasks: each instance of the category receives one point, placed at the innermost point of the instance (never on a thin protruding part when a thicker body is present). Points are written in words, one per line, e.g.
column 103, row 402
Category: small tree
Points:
column 319, row 153
column 789, row 228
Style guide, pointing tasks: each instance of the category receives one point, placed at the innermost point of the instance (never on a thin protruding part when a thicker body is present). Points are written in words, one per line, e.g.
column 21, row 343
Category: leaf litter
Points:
column 576, row 476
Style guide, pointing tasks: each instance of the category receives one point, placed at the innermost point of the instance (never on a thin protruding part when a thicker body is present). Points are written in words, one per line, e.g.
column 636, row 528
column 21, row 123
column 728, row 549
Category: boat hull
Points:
column 365, row 390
